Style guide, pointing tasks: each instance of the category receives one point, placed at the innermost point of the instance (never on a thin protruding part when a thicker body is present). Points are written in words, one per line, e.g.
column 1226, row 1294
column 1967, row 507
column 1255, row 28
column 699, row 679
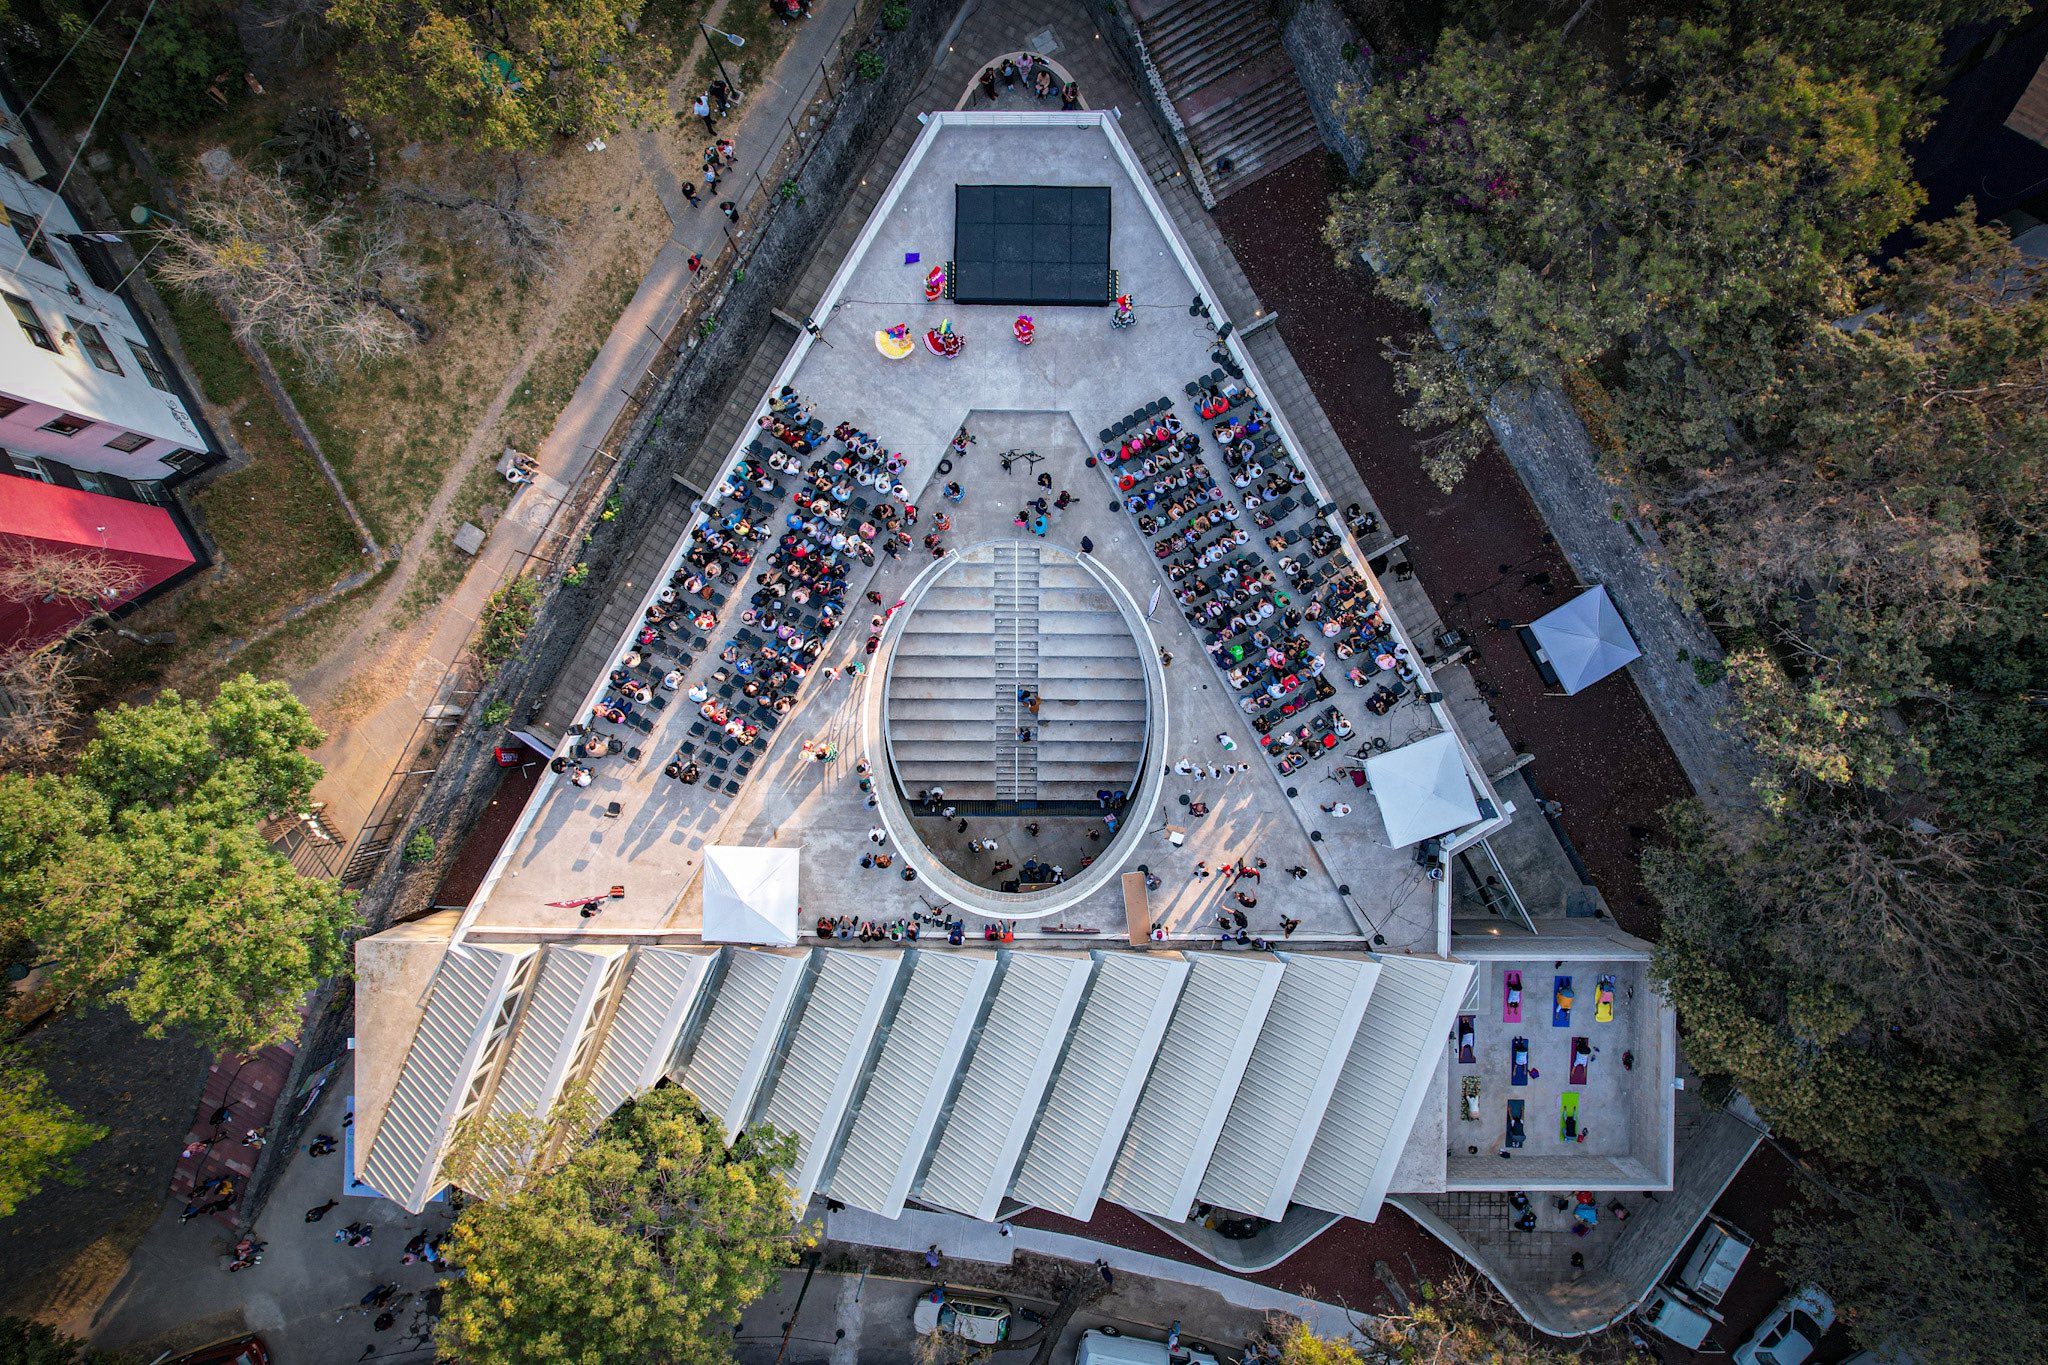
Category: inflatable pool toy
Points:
column 1125, row 315
column 1023, row 329
column 895, row 342
column 935, row 284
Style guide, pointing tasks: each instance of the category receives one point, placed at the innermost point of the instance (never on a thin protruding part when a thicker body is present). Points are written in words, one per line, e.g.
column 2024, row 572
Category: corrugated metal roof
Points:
column 827, row 1052
column 664, row 984
column 1174, row 1128
column 406, row 1155
column 1036, row 999
column 892, row 1129
column 737, row 1042
column 1382, row 1086
column 1098, row 1082
column 560, row 1008
column 1287, row 1084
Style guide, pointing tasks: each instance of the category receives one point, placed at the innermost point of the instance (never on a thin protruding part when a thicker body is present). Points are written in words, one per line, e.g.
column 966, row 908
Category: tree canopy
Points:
column 144, row 880
column 316, row 282
column 1846, row 458
column 643, row 1244
column 506, row 77
column 38, row 1134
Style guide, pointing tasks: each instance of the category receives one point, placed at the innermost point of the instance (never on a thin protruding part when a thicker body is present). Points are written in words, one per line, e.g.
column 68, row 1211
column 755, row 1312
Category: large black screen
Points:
column 1031, row 244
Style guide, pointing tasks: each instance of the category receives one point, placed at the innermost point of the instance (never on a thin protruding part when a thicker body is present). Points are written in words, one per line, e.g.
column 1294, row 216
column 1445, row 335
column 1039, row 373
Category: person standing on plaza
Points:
column 702, row 109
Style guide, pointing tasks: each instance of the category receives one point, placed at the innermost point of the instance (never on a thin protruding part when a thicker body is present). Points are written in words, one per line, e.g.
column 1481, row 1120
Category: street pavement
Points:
column 303, row 1299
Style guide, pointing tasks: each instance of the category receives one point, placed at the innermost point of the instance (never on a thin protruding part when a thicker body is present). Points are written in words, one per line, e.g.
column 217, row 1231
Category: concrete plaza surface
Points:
column 1079, row 376
column 304, row 1299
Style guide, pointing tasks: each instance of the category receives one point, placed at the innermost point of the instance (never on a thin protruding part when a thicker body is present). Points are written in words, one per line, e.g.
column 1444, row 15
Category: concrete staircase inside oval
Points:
column 1014, row 619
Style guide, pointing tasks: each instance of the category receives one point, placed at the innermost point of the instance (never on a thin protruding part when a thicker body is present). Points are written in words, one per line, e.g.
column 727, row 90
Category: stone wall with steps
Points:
column 1231, row 84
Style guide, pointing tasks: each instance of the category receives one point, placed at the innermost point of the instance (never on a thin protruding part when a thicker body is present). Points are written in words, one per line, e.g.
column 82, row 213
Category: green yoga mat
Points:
column 1568, row 1119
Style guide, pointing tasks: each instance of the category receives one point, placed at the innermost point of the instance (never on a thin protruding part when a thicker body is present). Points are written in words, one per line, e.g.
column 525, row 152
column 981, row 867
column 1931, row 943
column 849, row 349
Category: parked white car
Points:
column 1791, row 1333
column 982, row 1321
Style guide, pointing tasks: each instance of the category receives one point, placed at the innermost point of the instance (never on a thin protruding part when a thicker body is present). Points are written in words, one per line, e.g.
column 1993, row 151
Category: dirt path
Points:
column 366, row 646
column 371, row 663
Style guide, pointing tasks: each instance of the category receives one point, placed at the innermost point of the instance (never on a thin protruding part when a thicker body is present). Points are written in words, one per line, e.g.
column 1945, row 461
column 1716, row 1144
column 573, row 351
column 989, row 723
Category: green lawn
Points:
column 282, row 533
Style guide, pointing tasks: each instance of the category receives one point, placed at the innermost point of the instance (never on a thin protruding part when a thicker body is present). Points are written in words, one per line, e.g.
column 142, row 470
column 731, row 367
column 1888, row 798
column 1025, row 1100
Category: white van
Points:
column 1676, row 1318
column 1107, row 1346
column 1713, row 1263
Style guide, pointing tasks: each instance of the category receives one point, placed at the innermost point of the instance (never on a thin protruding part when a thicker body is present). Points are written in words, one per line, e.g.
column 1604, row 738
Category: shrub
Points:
column 578, row 573
column 420, row 847
column 895, row 18
column 869, row 66
column 498, row 712
column 507, row 615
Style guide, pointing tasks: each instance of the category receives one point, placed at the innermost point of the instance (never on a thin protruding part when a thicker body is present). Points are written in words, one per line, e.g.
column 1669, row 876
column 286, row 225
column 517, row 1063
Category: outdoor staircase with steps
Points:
column 1016, row 664
column 1092, row 712
column 942, row 689
column 1015, row 617
column 1232, row 85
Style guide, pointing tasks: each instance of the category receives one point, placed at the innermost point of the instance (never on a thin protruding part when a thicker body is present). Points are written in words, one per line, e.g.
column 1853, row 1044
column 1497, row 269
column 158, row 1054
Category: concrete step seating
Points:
column 940, row 704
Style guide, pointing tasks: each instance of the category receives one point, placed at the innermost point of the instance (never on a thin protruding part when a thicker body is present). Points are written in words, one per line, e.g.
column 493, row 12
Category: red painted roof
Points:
column 133, row 532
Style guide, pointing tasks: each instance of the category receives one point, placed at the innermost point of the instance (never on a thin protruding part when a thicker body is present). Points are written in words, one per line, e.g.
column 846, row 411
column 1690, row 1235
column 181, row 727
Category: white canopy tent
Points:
column 1422, row 789
column 750, row 895
column 1585, row 640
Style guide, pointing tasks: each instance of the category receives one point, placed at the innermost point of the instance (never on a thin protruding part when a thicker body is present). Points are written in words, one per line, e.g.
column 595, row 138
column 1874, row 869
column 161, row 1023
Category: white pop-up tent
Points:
column 1422, row 789
column 750, row 895
column 1585, row 640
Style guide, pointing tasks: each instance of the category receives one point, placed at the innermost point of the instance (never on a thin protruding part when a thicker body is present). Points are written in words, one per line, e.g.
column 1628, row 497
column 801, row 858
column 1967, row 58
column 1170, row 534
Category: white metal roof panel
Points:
column 1180, row 1114
column 663, row 985
column 892, row 1129
column 560, row 1009
column 1287, row 1084
column 438, row 1067
column 737, row 1042
column 828, row 1050
column 1098, row 1082
column 1036, row 999
column 1382, row 1086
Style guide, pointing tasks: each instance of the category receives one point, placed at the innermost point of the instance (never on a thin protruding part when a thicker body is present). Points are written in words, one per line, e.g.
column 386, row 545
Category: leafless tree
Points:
column 497, row 217
column 38, row 702
column 32, row 572
column 1947, row 930
column 316, row 282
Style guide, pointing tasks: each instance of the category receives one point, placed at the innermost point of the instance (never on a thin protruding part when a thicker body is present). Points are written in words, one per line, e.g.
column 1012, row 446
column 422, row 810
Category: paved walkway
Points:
column 360, row 757
column 967, row 1239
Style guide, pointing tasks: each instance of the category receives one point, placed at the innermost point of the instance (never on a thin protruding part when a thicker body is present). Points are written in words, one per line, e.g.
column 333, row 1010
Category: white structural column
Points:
column 1195, row 1076
column 663, row 986
column 557, row 1027
column 1097, row 1086
column 737, row 1042
column 828, row 1050
column 1036, row 999
column 892, row 1127
column 468, row 1016
column 1403, row 1035
column 1288, row 1082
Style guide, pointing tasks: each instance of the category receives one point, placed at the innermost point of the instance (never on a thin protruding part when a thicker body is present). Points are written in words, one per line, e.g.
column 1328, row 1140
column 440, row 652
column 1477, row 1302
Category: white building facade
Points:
column 84, row 391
